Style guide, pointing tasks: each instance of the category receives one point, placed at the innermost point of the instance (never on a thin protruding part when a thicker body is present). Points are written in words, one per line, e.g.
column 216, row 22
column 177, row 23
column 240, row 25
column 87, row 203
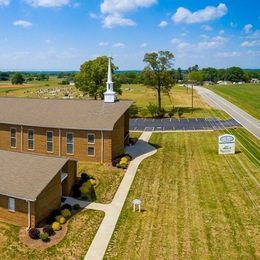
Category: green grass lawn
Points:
column 81, row 231
column 179, row 97
column 196, row 204
column 246, row 96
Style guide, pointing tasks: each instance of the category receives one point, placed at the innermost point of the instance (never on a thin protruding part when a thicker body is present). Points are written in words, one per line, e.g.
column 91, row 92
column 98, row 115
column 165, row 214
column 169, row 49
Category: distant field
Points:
column 179, row 97
column 196, row 204
column 246, row 96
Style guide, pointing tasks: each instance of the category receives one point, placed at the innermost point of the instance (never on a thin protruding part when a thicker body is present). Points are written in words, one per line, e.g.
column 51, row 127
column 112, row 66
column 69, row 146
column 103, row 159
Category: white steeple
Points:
column 109, row 95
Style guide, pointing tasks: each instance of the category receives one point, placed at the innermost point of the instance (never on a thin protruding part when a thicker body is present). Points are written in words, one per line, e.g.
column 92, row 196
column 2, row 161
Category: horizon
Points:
column 57, row 35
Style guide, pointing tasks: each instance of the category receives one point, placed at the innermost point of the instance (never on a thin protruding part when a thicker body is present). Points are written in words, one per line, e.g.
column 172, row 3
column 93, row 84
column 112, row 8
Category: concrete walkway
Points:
column 243, row 118
column 140, row 151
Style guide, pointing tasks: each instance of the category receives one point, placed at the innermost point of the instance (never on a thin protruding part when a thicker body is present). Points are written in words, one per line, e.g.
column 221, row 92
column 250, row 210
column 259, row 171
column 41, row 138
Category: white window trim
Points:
column 70, row 143
column 52, row 141
column 13, row 128
column 9, row 204
column 90, row 155
column 30, row 139
column 94, row 138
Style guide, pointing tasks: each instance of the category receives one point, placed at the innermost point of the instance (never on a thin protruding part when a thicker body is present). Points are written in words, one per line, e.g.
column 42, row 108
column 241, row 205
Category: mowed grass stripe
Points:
column 195, row 206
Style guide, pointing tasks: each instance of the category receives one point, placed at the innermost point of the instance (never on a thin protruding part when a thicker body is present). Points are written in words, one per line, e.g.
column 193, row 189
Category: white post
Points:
column 29, row 215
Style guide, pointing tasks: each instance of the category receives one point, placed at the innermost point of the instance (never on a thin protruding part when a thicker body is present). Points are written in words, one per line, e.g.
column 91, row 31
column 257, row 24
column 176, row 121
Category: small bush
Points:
column 62, row 220
column 86, row 190
column 34, row 233
column 84, row 176
column 56, row 226
column 123, row 165
column 93, row 182
column 75, row 191
column 44, row 236
column 66, row 206
column 66, row 213
column 180, row 113
column 48, row 229
column 116, row 161
column 76, row 207
column 118, row 165
column 124, row 160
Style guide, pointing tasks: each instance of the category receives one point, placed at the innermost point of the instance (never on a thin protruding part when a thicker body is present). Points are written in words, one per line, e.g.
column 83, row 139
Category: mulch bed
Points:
column 39, row 244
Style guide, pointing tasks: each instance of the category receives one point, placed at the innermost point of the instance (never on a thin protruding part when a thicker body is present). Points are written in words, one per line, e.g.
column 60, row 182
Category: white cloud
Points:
column 123, row 6
column 115, row 10
column 143, row 45
column 248, row 28
column 209, row 13
column 22, row 23
column 175, row 40
column 221, row 32
column 119, row 45
column 48, row 41
column 163, row 24
column 93, row 16
column 206, row 27
column 114, row 20
column 4, row 2
column 103, row 44
column 229, row 54
column 250, row 43
column 47, row 3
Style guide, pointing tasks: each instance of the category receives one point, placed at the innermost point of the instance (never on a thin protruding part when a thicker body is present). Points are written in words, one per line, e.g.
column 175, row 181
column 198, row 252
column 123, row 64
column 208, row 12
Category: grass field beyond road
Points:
column 196, row 204
column 246, row 96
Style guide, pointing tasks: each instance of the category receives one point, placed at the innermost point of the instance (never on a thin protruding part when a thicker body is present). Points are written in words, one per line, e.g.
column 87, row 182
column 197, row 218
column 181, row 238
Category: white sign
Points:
column 227, row 144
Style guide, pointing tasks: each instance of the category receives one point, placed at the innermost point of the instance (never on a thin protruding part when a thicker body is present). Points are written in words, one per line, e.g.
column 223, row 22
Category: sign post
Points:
column 227, row 144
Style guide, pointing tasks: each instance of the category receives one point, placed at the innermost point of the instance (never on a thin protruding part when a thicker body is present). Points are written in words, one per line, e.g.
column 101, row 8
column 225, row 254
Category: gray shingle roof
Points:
column 25, row 176
column 66, row 114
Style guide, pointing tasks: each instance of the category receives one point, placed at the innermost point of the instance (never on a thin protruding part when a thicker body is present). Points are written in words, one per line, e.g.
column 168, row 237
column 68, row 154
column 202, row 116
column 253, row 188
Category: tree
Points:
column 210, row 74
column 92, row 77
column 179, row 75
column 235, row 74
column 17, row 79
column 159, row 73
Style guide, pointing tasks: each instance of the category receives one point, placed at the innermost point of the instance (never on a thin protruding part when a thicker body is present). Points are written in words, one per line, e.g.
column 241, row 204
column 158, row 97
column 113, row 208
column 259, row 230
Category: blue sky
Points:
column 62, row 34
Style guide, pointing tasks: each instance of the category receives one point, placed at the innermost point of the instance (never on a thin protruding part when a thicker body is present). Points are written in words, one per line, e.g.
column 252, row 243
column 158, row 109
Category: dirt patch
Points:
column 39, row 244
column 13, row 86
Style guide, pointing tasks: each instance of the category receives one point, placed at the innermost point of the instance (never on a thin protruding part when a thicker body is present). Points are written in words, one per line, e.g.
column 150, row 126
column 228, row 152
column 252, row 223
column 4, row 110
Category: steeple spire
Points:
column 109, row 95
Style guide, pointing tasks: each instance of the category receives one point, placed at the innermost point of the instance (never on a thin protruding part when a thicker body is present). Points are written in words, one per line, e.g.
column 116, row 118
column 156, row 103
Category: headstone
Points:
column 227, row 144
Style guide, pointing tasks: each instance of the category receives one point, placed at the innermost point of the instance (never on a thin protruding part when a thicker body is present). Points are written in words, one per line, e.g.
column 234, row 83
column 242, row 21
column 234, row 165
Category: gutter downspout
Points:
column 29, row 216
column 21, row 138
column 102, row 146
column 59, row 142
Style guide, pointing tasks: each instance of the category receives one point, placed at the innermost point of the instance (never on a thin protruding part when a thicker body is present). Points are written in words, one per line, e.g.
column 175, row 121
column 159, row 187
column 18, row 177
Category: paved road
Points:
column 246, row 120
column 169, row 124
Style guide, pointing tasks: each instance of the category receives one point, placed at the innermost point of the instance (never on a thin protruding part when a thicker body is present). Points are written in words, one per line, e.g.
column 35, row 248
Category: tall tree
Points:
column 17, row 79
column 92, row 78
column 159, row 72
column 235, row 74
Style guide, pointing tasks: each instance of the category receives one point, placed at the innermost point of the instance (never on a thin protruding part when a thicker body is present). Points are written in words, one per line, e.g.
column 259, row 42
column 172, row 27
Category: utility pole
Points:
column 192, row 98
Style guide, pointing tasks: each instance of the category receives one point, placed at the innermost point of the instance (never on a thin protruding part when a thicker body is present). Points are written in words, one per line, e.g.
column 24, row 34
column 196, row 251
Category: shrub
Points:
column 85, row 191
column 124, row 160
column 48, row 229
column 50, row 219
column 66, row 213
column 152, row 109
column 133, row 111
column 84, row 176
column 76, row 207
column 62, row 220
column 93, row 182
column 66, row 206
column 180, row 113
column 75, row 191
column 56, row 226
column 123, row 165
column 118, row 165
column 116, row 161
column 34, row 233
column 44, row 236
